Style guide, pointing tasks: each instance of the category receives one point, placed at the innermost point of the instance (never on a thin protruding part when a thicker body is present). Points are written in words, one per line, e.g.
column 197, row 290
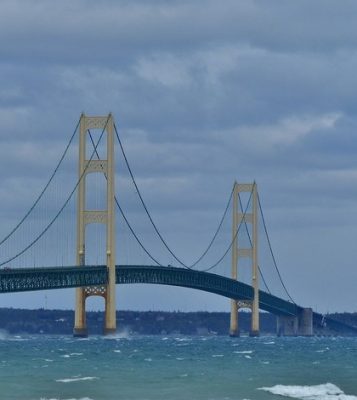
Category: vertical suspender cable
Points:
column 250, row 241
column 43, row 190
column 272, row 253
column 61, row 209
column 122, row 212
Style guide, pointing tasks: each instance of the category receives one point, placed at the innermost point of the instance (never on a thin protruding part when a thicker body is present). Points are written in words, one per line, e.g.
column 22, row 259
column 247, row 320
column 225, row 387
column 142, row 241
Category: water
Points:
column 148, row 367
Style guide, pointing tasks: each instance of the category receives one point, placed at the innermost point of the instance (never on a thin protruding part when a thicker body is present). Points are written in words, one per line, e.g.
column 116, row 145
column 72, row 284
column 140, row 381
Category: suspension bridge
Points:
column 46, row 229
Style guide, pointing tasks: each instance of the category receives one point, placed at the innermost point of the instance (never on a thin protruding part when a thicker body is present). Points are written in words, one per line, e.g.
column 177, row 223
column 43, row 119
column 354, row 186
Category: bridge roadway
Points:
column 27, row 279
column 30, row 279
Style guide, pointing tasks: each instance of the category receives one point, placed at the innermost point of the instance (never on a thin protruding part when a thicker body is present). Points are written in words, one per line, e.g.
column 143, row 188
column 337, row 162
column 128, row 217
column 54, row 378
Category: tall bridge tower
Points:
column 85, row 217
column 239, row 217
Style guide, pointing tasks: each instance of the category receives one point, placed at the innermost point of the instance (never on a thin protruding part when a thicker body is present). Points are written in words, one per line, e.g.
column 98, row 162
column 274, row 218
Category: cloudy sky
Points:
column 203, row 93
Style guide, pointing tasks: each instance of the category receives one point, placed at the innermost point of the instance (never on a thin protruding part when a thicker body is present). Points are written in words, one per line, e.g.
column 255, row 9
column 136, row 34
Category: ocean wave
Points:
column 327, row 391
column 4, row 335
column 52, row 398
column 84, row 378
column 243, row 352
column 183, row 339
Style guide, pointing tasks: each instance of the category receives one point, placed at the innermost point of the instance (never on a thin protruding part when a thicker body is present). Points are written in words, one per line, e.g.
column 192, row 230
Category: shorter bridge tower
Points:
column 85, row 217
column 252, row 252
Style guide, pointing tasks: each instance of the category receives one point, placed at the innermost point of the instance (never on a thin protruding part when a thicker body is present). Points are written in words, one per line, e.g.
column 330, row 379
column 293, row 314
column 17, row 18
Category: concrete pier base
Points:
column 109, row 331
column 300, row 325
column 306, row 322
column 80, row 332
column 234, row 333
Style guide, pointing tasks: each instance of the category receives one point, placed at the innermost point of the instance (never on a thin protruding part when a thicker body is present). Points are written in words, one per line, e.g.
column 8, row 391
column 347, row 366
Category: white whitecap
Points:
column 82, row 398
column 327, row 391
column 243, row 352
column 84, row 378
column 117, row 351
column 217, row 355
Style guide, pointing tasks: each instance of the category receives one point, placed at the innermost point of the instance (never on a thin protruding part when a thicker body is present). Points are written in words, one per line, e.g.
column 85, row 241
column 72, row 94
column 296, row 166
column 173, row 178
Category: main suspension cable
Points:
column 143, row 202
column 272, row 253
column 123, row 214
column 152, row 221
column 16, row 227
column 62, row 208
column 234, row 237
column 216, row 233
column 251, row 244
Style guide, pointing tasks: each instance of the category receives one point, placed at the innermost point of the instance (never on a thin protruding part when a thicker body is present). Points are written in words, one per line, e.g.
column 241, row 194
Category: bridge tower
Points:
column 106, row 217
column 252, row 252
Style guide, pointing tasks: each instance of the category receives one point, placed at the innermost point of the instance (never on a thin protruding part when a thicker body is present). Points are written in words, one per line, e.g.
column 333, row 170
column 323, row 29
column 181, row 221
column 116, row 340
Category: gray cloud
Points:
column 203, row 93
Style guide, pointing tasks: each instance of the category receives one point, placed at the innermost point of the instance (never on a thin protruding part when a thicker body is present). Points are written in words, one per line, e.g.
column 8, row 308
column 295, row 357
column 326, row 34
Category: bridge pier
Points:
column 300, row 325
column 254, row 333
column 234, row 330
column 80, row 323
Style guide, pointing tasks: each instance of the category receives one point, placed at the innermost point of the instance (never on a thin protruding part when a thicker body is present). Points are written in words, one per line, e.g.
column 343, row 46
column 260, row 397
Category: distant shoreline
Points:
column 43, row 321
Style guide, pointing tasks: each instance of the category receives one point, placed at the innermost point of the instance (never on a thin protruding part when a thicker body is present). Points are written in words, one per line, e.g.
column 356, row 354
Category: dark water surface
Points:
column 157, row 367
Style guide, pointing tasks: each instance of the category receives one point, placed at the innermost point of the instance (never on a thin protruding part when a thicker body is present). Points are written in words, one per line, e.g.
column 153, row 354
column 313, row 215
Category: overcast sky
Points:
column 203, row 93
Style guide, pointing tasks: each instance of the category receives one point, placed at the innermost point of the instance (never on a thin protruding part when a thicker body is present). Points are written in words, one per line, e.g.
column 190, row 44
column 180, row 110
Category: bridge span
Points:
column 31, row 279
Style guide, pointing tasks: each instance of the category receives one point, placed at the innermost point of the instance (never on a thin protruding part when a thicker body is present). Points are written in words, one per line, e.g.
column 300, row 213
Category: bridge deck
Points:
column 27, row 279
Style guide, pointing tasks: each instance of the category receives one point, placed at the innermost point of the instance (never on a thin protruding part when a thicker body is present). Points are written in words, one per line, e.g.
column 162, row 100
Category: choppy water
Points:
column 209, row 368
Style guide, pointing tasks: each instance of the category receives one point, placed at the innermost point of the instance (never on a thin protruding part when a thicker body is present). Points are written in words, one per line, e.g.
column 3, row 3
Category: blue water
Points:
column 148, row 367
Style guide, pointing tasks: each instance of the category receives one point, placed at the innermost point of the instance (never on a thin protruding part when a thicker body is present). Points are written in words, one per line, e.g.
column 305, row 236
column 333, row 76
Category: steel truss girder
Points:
column 27, row 279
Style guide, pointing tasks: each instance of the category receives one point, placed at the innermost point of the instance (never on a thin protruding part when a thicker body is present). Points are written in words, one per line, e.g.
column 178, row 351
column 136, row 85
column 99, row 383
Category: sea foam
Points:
column 82, row 398
column 327, row 391
column 84, row 378
column 243, row 352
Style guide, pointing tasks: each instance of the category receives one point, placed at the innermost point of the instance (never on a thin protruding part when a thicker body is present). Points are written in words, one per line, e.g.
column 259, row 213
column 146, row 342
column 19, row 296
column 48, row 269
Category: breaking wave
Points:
column 84, row 378
column 327, row 391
